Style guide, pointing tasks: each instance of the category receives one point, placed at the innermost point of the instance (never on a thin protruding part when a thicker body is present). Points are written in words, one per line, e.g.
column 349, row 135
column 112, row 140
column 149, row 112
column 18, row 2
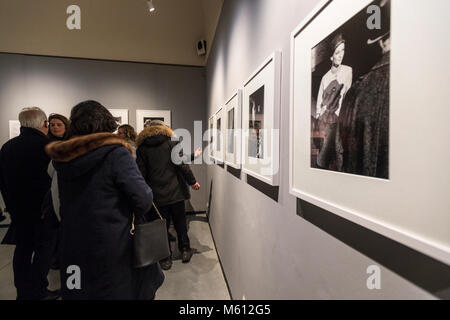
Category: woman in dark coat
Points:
column 168, row 181
column 100, row 187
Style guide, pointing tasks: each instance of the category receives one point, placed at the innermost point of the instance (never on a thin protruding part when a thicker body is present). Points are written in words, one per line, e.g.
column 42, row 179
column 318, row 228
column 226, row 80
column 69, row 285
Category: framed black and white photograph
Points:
column 219, row 129
column 211, row 137
column 233, row 130
column 142, row 116
column 121, row 116
column 353, row 100
column 260, row 121
column 350, row 96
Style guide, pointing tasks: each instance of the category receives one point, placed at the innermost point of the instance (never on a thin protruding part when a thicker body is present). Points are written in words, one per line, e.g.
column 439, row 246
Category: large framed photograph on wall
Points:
column 260, row 121
column 219, row 135
column 142, row 116
column 233, row 130
column 350, row 109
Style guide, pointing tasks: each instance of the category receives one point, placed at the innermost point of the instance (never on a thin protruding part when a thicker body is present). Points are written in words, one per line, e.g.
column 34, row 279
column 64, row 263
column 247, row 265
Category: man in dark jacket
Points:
column 364, row 122
column 24, row 184
column 168, row 181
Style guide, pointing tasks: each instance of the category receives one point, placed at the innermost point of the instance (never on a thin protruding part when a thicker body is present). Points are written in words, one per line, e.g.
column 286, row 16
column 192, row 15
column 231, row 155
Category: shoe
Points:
column 52, row 295
column 166, row 264
column 171, row 237
column 186, row 255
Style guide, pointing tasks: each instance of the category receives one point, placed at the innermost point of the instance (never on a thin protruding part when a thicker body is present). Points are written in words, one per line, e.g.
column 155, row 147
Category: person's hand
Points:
column 196, row 186
column 198, row 152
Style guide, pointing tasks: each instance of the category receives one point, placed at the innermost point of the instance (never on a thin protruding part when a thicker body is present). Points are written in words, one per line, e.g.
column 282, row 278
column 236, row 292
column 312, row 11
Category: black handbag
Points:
column 150, row 242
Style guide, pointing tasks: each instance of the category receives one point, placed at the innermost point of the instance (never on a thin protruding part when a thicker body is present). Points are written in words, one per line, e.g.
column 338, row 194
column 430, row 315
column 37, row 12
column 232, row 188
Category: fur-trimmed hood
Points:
column 153, row 131
column 78, row 156
column 65, row 151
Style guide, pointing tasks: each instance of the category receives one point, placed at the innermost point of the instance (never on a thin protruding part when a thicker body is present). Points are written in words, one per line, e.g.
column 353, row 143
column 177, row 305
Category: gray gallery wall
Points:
column 278, row 249
column 57, row 84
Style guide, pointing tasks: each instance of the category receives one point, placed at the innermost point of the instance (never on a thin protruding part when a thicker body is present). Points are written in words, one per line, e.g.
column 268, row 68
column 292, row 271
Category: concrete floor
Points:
column 201, row 279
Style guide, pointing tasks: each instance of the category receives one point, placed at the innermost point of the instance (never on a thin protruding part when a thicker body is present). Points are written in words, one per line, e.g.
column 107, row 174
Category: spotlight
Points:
column 150, row 5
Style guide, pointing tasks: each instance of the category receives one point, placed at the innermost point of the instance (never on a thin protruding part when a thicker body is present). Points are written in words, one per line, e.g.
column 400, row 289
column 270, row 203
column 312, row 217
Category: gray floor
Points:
column 201, row 279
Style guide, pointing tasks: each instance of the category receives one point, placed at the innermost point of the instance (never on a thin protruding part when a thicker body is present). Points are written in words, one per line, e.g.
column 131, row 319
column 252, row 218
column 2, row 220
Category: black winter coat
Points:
column 24, row 179
column 364, row 124
column 169, row 182
column 100, row 187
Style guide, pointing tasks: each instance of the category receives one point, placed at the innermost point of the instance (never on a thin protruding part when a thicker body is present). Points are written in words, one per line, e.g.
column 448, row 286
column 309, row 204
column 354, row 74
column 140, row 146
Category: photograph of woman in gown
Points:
column 350, row 95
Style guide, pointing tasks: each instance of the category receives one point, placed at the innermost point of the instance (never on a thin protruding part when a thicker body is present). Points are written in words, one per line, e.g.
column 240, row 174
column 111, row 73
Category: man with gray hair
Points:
column 23, row 172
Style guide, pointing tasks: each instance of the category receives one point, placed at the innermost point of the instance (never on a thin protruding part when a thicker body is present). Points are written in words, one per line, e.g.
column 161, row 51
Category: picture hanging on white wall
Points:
column 349, row 114
column 121, row 115
column 211, row 137
column 350, row 96
column 219, row 135
column 233, row 130
column 142, row 116
column 260, row 121
column 14, row 128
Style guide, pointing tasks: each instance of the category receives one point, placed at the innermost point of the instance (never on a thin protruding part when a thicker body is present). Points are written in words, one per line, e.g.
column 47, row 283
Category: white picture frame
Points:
column 143, row 115
column 14, row 128
column 403, row 207
column 121, row 116
column 260, row 144
column 219, row 130
column 211, row 137
column 233, row 129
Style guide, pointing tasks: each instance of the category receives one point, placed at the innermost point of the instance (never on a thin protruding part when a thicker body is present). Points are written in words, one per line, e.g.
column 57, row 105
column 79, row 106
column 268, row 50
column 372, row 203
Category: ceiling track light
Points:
column 151, row 7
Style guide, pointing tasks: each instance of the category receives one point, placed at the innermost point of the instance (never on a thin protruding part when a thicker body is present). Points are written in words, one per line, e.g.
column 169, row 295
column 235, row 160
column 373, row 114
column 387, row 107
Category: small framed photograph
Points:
column 14, row 128
column 121, row 116
column 142, row 116
column 260, row 121
column 211, row 137
column 219, row 135
column 233, row 130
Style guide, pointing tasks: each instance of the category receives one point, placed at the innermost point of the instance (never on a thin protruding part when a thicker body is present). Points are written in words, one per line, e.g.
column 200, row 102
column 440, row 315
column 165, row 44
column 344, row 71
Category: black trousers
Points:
column 176, row 212
column 35, row 244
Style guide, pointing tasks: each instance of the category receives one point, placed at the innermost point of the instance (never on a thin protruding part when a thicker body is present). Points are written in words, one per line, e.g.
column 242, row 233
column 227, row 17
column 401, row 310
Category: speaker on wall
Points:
column 201, row 47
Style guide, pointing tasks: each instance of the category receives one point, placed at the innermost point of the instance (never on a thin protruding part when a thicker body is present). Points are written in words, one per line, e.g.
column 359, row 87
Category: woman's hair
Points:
column 129, row 131
column 91, row 117
column 335, row 42
column 66, row 125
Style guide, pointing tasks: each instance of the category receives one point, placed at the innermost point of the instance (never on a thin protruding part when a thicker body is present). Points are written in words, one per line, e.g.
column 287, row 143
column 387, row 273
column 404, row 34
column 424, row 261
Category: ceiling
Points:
column 111, row 29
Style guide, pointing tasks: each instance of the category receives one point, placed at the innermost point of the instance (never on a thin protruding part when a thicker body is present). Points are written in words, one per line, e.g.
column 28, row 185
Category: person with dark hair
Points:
column 100, row 188
column 58, row 130
column 58, row 127
column 90, row 117
column 168, row 181
column 128, row 133
column 24, row 184
column 333, row 87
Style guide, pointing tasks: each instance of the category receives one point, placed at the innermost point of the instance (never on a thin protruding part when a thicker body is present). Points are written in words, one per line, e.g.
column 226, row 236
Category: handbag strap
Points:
column 132, row 222
column 157, row 211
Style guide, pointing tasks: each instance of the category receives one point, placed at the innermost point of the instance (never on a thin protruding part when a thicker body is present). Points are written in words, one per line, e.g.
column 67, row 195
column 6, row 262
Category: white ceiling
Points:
column 111, row 29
